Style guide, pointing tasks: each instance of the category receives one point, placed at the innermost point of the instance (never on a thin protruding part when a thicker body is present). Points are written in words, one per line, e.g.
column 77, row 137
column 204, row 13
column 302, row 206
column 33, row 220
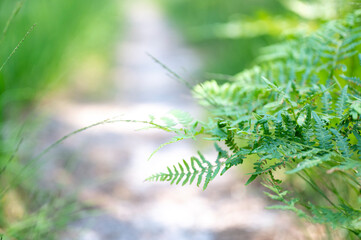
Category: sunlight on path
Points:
column 106, row 165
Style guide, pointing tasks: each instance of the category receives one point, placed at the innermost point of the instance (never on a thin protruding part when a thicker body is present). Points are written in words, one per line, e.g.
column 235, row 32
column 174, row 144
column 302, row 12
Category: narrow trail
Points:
column 106, row 165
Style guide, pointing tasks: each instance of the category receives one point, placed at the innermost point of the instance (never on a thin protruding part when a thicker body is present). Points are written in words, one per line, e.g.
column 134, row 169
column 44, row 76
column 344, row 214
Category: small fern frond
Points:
column 186, row 172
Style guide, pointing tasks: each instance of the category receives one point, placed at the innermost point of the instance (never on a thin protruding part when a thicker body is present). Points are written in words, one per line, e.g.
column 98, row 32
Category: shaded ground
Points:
column 106, row 165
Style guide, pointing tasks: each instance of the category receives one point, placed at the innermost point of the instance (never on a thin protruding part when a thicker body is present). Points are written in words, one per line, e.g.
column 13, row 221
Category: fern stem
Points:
column 317, row 189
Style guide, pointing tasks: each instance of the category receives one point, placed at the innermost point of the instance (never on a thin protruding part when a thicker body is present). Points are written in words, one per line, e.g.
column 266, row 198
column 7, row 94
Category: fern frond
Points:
column 197, row 168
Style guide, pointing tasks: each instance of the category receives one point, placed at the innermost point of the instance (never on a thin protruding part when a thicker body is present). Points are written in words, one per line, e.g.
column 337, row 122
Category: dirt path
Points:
column 106, row 165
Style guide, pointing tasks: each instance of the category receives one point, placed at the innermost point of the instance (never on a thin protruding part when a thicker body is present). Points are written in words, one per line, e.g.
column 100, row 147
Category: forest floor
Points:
column 106, row 166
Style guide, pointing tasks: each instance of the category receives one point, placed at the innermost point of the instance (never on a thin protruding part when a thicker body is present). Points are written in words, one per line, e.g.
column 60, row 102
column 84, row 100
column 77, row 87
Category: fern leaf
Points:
column 175, row 175
column 194, row 175
column 326, row 100
column 186, row 165
column 251, row 179
column 353, row 80
column 322, row 134
column 357, row 146
column 208, row 178
column 279, row 127
column 188, row 175
column 230, row 141
column 196, row 160
column 307, row 130
column 200, row 177
column 183, row 118
column 234, row 160
column 169, row 122
column 342, row 102
column 348, row 164
column 309, row 163
column 173, row 140
column 188, row 172
column 221, row 153
column 290, row 126
column 342, row 144
column 347, row 218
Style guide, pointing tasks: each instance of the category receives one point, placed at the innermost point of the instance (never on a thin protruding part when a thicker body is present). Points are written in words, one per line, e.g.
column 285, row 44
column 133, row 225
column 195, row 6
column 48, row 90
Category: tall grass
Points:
column 67, row 32
column 42, row 44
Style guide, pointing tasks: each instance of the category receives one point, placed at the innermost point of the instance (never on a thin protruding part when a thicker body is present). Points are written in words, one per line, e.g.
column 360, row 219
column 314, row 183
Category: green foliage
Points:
column 201, row 169
column 67, row 33
column 298, row 111
column 42, row 44
column 228, row 33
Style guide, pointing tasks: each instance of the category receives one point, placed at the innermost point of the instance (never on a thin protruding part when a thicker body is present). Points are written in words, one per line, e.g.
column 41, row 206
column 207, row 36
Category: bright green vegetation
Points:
column 66, row 33
column 230, row 33
column 296, row 117
column 43, row 45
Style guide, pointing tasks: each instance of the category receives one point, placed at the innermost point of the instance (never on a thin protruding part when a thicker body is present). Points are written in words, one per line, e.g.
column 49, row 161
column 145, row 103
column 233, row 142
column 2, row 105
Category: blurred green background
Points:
column 66, row 35
column 229, row 34
column 72, row 41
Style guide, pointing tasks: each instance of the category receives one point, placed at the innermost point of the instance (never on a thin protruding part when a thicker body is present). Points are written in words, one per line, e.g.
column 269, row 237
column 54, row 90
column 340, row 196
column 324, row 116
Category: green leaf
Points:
column 309, row 163
column 342, row 102
column 251, row 179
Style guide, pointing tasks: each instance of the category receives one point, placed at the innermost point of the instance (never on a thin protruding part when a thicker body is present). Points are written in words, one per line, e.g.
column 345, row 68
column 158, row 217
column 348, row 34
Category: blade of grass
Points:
column 17, row 46
column 11, row 18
